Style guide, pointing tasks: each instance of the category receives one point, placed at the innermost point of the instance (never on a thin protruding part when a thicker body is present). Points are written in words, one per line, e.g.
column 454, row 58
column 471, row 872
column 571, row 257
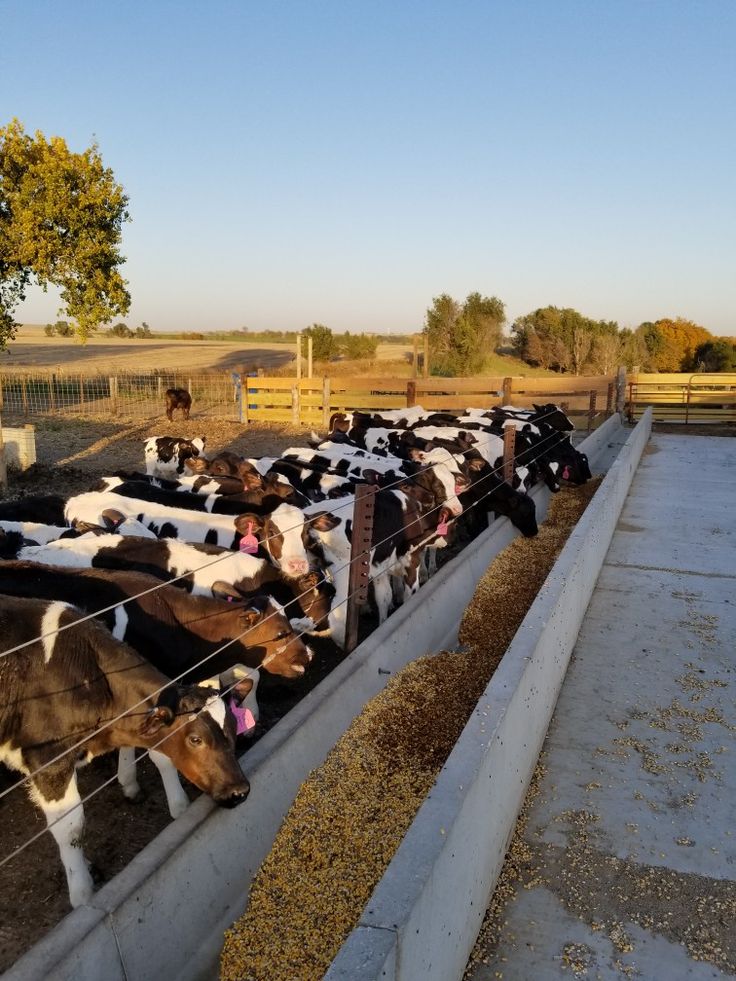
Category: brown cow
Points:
column 177, row 398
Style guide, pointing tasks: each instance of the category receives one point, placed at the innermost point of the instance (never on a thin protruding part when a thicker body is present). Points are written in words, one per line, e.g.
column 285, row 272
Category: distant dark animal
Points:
column 61, row 688
column 177, row 398
column 165, row 455
column 47, row 509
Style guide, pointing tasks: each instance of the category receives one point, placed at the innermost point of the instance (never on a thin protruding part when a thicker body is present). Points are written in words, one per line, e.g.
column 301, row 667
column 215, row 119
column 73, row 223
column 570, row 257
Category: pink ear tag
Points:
column 249, row 542
column 245, row 721
column 442, row 527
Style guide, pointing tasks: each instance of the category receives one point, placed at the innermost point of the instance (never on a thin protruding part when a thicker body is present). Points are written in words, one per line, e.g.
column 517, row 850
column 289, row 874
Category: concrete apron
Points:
column 164, row 914
column 425, row 913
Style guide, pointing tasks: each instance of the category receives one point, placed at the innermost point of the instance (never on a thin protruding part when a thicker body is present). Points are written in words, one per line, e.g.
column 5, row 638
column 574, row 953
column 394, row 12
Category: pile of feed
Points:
column 351, row 813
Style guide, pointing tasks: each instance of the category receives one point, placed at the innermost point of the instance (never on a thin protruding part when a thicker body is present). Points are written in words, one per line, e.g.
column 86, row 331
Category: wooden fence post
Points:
column 591, row 409
column 1, row 394
column 24, row 394
column 425, row 366
column 295, row 405
column 621, row 389
column 52, row 394
column 609, row 398
column 309, row 356
column 360, row 559
column 509, row 447
column 326, row 402
column 415, row 343
column 113, row 394
column 506, row 395
column 81, row 390
column 411, row 393
column 298, row 354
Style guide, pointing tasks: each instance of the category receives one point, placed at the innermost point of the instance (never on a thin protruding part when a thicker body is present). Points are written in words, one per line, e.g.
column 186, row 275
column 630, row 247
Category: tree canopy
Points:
column 461, row 336
column 61, row 215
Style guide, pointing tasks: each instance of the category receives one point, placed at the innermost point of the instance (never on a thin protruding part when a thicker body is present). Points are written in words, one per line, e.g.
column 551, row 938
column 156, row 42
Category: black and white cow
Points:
column 66, row 688
column 166, row 455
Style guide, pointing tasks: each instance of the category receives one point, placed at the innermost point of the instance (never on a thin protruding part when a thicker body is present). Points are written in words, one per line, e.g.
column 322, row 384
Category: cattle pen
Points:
column 139, row 924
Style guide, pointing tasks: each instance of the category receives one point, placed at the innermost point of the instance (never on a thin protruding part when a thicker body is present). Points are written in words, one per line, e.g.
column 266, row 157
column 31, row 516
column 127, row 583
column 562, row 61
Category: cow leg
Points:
column 176, row 797
column 65, row 818
column 127, row 777
column 382, row 592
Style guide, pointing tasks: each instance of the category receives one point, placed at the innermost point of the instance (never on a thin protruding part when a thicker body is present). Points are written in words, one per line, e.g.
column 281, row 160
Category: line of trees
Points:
column 327, row 345
column 463, row 335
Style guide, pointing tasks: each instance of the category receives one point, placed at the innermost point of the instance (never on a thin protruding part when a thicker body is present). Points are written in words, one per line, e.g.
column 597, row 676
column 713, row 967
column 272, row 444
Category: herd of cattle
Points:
column 138, row 614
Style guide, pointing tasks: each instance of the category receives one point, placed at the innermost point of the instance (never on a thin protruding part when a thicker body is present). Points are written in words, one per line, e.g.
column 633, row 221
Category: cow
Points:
column 263, row 501
column 402, row 526
column 196, row 568
column 47, row 509
column 187, row 637
column 166, row 455
column 177, row 398
column 227, row 464
column 281, row 534
column 82, row 681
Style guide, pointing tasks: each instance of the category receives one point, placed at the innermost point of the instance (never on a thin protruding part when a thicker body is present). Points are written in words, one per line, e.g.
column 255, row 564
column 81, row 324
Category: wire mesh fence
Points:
column 25, row 395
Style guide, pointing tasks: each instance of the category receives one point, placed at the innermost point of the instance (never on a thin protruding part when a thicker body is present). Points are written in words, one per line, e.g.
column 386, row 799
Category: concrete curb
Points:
column 143, row 924
column 424, row 915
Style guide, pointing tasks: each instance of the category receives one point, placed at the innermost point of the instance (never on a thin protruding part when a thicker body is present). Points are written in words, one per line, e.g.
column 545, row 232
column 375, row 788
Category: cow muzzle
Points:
column 233, row 795
column 295, row 567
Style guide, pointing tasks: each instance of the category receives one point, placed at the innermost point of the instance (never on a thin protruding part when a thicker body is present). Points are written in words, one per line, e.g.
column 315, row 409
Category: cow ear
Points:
column 371, row 476
column 476, row 463
column 324, row 521
column 157, row 719
column 225, row 591
column 250, row 616
column 242, row 521
column 112, row 519
column 86, row 527
column 416, row 454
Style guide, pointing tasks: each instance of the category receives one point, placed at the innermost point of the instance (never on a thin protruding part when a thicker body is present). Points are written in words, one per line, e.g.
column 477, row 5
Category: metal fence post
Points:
column 411, row 393
column 509, row 448
column 591, row 409
column 360, row 560
column 609, row 398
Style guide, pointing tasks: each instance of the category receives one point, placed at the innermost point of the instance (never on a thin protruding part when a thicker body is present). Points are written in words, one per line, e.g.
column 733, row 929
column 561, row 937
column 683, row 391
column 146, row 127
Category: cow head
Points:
column 268, row 640
column 193, row 728
column 553, row 416
column 282, row 535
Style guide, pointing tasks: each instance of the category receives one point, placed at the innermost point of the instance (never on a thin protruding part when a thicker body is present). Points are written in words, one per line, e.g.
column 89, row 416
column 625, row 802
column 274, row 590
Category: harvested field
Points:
column 352, row 812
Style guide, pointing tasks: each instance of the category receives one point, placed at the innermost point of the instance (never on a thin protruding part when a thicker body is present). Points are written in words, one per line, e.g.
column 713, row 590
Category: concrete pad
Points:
column 643, row 738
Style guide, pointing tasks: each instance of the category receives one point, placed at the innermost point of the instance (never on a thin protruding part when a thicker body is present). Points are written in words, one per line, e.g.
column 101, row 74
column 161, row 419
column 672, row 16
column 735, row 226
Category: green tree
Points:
column 358, row 347
column 49, row 330
column 461, row 337
column 143, row 331
column 324, row 345
column 63, row 328
column 121, row 330
column 715, row 355
column 61, row 215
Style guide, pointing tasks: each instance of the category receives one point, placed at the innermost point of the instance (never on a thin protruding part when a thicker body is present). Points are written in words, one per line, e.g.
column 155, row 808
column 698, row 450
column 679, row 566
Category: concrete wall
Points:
column 423, row 918
column 20, row 446
column 165, row 913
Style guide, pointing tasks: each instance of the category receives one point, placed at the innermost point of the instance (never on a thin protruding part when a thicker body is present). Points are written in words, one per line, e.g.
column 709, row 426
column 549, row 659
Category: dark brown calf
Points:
column 60, row 691
column 177, row 398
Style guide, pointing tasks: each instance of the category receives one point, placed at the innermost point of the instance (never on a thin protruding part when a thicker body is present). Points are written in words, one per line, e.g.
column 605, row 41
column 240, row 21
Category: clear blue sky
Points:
column 344, row 162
